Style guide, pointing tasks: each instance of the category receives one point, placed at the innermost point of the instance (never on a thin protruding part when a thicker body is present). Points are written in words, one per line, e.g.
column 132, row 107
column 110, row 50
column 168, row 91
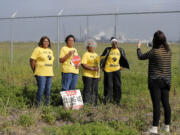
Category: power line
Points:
column 95, row 14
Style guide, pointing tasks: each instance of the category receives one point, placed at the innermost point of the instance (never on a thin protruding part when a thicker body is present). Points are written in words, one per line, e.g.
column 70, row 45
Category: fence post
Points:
column 58, row 35
column 115, row 25
column 87, row 21
column 58, row 45
column 12, row 44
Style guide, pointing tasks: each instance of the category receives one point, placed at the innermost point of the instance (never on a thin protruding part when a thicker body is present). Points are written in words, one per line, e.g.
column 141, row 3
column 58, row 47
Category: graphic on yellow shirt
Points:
column 67, row 66
column 91, row 59
column 112, row 63
column 44, row 61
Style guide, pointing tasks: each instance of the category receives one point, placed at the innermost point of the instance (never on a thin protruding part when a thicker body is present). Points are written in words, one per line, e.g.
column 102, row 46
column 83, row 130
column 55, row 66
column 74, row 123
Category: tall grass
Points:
column 18, row 91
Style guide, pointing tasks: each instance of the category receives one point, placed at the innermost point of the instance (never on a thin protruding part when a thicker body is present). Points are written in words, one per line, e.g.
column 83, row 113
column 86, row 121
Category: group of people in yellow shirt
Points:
column 111, row 61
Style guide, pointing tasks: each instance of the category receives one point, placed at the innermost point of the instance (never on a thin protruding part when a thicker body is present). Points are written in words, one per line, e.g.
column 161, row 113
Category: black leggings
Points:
column 160, row 93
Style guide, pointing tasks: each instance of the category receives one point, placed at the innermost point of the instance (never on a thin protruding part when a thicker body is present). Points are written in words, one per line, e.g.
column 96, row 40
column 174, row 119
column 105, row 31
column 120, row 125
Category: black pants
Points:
column 90, row 91
column 112, row 86
column 160, row 93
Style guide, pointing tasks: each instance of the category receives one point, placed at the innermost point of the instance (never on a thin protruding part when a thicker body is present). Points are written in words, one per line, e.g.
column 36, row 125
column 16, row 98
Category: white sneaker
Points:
column 166, row 128
column 153, row 130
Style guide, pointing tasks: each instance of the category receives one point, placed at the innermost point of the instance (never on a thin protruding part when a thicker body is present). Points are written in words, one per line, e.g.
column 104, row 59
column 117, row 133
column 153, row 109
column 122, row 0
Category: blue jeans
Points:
column 69, row 81
column 44, row 85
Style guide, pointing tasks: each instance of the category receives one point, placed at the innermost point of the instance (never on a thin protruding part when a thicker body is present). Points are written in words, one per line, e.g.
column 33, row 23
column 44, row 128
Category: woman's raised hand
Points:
column 139, row 44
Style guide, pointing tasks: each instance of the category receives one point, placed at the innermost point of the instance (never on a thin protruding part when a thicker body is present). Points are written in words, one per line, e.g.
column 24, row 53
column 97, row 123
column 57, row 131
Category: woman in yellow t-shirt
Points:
column 91, row 73
column 69, row 71
column 113, row 60
column 41, row 62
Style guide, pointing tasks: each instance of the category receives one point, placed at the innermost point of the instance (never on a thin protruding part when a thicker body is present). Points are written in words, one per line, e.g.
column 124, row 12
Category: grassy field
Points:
column 18, row 116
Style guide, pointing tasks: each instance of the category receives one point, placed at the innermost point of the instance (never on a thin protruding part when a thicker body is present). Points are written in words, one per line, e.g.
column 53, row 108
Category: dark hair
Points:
column 42, row 40
column 69, row 36
column 112, row 38
column 159, row 40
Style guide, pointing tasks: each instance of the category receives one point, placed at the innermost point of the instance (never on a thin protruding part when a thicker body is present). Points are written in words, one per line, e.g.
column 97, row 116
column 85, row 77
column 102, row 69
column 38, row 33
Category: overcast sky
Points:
column 131, row 26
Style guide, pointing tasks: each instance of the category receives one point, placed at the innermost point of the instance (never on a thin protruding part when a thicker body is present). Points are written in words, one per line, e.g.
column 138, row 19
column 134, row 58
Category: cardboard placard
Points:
column 72, row 99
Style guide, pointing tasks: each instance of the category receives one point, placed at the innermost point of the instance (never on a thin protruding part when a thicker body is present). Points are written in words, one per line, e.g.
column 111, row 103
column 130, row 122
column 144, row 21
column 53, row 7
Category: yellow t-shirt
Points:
column 44, row 61
column 112, row 63
column 91, row 59
column 67, row 67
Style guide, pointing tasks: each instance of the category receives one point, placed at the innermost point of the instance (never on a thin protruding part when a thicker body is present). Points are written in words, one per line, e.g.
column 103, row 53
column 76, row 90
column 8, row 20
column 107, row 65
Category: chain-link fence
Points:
column 127, row 27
